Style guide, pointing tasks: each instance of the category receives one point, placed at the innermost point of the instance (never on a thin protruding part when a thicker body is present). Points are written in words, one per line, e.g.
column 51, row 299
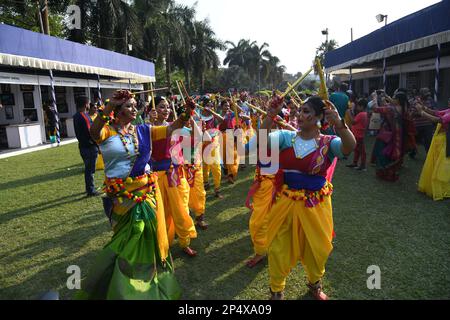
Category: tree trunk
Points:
column 168, row 71
column 202, row 82
column 187, row 75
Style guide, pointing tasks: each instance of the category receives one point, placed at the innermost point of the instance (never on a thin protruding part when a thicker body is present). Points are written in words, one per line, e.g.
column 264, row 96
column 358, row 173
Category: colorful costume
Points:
column 211, row 153
column 194, row 177
column 229, row 148
column 261, row 193
column 390, row 144
column 136, row 263
column 435, row 177
column 174, row 189
column 300, row 222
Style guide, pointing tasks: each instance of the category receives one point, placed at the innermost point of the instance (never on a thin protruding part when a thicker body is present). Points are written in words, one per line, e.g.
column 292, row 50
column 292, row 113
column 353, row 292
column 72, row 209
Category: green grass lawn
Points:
column 46, row 225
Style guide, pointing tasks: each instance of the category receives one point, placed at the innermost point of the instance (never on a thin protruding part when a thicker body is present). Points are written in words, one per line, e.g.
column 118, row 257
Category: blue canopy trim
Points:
column 20, row 47
column 418, row 30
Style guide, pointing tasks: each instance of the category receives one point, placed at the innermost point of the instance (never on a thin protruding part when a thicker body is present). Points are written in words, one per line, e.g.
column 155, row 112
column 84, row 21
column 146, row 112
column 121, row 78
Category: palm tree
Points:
column 272, row 71
column 184, row 54
column 238, row 55
column 165, row 32
column 325, row 47
column 258, row 55
column 204, row 53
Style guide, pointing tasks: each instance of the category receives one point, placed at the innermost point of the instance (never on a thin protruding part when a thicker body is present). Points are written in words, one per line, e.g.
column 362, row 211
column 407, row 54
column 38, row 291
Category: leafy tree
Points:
column 324, row 48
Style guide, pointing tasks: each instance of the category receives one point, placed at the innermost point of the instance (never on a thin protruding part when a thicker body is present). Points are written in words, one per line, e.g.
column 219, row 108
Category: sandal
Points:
column 276, row 295
column 206, row 186
column 254, row 261
column 218, row 195
column 316, row 291
column 231, row 179
column 190, row 252
column 201, row 223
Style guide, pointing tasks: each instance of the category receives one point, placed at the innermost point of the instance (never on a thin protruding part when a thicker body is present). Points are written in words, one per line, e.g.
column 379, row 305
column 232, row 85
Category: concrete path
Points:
column 15, row 152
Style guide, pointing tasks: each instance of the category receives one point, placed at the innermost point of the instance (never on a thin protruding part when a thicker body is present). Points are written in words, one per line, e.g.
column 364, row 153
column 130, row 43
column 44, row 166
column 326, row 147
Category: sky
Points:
column 292, row 28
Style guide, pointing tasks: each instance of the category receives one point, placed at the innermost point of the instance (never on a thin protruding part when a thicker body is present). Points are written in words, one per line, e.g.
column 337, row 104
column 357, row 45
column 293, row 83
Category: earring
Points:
column 319, row 124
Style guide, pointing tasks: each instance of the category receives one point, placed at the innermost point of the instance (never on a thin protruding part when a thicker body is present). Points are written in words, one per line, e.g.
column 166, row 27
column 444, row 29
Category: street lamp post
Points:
column 325, row 33
column 381, row 18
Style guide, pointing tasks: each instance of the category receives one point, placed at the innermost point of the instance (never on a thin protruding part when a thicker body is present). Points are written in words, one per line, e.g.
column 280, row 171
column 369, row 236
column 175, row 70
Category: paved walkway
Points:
column 15, row 152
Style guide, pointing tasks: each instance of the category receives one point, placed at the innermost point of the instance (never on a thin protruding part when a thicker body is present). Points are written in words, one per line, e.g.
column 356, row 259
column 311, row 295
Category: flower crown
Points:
column 123, row 95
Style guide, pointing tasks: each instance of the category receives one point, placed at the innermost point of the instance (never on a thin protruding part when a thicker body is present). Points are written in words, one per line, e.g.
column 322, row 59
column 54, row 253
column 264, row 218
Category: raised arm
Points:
column 102, row 118
column 183, row 118
column 347, row 137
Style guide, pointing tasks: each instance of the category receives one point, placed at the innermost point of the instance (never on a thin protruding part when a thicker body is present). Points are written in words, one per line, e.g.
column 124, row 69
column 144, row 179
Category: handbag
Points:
column 375, row 121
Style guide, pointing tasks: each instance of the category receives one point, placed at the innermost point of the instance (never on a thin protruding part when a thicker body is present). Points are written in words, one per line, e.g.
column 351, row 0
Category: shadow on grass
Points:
column 60, row 174
column 17, row 213
column 220, row 270
column 71, row 241
column 54, row 276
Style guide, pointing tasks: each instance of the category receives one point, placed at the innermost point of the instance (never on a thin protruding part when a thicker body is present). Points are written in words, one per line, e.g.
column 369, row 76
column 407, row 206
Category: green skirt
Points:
column 129, row 267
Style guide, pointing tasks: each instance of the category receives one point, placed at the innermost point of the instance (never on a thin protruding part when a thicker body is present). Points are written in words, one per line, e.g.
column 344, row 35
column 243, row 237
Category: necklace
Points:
column 132, row 132
column 303, row 148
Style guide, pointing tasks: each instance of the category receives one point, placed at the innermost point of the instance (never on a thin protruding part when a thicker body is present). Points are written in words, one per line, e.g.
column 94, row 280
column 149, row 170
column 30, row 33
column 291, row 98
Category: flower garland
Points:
column 311, row 198
column 116, row 188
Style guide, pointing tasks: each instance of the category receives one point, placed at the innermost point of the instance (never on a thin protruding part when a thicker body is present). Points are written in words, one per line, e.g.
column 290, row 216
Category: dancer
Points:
column 300, row 223
column 390, row 145
column 173, row 183
column 435, row 176
column 261, row 194
column 194, row 174
column 230, row 157
column 211, row 149
column 136, row 263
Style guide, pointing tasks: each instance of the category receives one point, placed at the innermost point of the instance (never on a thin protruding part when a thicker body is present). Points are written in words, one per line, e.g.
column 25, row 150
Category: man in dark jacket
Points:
column 88, row 148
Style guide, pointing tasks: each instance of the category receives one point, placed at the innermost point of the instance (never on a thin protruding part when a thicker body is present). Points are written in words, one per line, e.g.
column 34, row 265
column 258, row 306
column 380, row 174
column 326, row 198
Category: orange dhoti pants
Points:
column 178, row 220
column 197, row 193
column 298, row 233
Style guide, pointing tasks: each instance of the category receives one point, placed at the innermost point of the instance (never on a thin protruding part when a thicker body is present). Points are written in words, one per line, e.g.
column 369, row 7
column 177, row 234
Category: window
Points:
column 28, row 100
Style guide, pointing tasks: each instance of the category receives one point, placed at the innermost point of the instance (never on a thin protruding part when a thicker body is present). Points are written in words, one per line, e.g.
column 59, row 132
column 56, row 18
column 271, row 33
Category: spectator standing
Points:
column 88, row 148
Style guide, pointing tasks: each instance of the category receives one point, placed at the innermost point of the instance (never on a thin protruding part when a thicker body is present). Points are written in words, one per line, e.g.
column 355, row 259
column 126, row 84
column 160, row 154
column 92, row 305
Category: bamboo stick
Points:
column 297, row 82
column 151, row 90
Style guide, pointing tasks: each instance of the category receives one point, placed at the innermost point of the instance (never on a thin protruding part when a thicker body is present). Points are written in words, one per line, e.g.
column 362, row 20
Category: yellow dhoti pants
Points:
column 435, row 176
column 100, row 164
column 262, row 201
column 197, row 194
column 176, row 210
column 211, row 162
column 230, row 150
column 298, row 233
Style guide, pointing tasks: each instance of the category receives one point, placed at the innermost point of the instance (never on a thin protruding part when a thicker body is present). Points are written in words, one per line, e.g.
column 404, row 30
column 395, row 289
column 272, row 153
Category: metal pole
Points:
column 436, row 79
column 351, row 73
